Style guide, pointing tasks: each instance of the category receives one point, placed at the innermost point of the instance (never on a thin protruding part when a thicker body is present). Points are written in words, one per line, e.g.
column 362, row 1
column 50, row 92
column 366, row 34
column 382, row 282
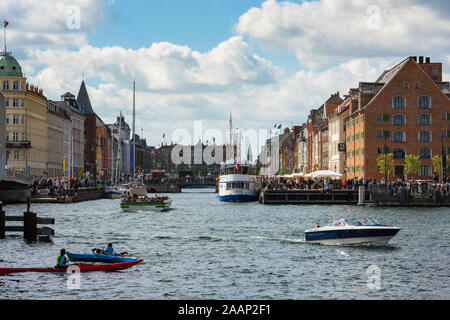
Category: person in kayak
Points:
column 62, row 261
column 109, row 250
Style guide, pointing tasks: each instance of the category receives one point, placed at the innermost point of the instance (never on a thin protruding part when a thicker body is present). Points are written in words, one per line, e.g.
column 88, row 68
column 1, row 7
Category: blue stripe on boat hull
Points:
column 238, row 198
column 351, row 233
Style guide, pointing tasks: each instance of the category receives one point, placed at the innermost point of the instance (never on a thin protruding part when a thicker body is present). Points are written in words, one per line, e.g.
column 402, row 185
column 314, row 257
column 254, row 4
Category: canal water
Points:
column 205, row 249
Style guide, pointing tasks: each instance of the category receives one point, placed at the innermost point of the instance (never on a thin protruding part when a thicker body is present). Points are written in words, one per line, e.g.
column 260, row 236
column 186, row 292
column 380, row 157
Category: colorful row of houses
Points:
column 406, row 111
column 64, row 138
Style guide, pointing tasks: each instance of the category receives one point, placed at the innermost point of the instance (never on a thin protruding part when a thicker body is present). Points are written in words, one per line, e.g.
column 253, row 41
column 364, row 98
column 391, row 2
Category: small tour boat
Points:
column 352, row 232
column 155, row 203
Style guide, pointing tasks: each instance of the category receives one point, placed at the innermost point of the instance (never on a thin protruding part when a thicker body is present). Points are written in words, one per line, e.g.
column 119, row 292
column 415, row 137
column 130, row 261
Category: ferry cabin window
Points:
column 238, row 185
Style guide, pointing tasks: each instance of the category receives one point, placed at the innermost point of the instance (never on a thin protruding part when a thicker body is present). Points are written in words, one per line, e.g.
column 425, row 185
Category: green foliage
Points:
column 385, row 161
column 412, row 164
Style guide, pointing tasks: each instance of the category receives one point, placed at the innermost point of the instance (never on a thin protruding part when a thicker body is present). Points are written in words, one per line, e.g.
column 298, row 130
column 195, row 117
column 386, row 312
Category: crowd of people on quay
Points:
column 393, row 186
column 58, row 185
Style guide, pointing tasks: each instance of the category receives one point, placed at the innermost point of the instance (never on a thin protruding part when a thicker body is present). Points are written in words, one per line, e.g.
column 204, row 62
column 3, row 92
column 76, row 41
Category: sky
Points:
column 268, row 62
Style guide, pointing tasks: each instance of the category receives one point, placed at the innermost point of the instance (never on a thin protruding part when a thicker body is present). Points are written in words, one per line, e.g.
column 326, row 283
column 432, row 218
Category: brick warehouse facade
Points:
column 406, row 110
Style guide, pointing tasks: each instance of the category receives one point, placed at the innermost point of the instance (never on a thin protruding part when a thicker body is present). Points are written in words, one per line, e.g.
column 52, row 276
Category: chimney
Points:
column 420, row 59
column 427, row 59
column 414, row 58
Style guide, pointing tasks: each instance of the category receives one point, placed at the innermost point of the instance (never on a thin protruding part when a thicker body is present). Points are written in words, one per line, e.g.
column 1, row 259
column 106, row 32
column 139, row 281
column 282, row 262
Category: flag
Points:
column 5, row 23
column 279, row 127
column 237, row 166
column 64, row 165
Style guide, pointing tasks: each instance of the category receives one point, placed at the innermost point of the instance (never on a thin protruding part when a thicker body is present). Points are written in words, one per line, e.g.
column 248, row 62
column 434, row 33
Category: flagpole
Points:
column 4, row 34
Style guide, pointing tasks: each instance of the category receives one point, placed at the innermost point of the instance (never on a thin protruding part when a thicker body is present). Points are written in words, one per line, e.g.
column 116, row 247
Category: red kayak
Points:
column 83, row 267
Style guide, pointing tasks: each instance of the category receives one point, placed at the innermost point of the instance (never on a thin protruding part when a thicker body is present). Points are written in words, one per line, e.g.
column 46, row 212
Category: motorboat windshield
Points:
column 355, row 222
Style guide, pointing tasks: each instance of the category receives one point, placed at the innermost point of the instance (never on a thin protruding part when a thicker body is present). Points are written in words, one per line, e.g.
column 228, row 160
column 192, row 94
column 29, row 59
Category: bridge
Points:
column 14, row 186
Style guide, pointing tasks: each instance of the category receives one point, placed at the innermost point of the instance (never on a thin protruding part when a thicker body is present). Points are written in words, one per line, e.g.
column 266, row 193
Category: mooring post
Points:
column 361, row 195
column 29, row 224
column 2, row 222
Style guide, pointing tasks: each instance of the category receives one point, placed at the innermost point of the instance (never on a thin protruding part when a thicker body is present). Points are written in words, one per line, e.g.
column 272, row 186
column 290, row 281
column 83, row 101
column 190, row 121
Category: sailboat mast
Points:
column 119, row 143
column 134, row 137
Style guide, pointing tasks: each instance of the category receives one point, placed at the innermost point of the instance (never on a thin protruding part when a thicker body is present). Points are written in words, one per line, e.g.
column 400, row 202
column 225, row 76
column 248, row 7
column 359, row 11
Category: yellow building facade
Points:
column 26, row 128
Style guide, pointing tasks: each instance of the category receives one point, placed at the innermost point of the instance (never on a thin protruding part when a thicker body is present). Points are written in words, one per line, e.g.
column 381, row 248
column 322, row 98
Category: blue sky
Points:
column 199, row 24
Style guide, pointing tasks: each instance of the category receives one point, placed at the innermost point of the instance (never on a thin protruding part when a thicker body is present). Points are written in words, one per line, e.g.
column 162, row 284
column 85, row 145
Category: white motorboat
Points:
column 352, row 232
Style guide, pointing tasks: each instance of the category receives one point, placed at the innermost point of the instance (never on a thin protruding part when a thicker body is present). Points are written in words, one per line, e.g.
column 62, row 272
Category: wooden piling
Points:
column 2, row 223
column 30, row 226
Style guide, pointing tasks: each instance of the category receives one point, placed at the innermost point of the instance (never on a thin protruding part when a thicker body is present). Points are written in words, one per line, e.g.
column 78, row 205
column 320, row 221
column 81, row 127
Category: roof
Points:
column 335, row 98
column 387, row 75
column 370, row 88
column 444, row 86
column 9, row 67
column 84, row 101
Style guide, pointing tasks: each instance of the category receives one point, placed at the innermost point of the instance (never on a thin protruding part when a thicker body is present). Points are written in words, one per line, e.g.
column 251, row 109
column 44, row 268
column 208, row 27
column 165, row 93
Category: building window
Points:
column 6, row 85
column 385, row 117
column 23, row 119
column 398, row 136
column 425, row 171
column 15, row 137
column 443, row 116
column 7, row 136
column 15, row 119
column 23, row 103
column 15, row 102
column 379, row 117
column 24, row 138
column 443, row 133
column 380, row 150
column 7, row 119
column 398, row 120
column 16, row 155
column 417, row 86
column 7, row 102
column 425, row 153
column 424, row 102
column 16, row 85
column 424, row 119
column 398, row 153
column 398, row 102
column 22, row 86
column 424, row 136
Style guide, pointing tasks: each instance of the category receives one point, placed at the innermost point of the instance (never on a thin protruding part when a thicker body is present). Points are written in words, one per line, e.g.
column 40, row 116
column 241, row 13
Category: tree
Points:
column 385, row 161
column 412, row 164
column 437, row 164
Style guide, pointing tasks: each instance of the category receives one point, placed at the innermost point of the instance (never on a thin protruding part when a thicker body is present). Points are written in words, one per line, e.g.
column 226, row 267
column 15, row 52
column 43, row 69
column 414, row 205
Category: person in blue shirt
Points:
column 62, row 261
column 110, row 250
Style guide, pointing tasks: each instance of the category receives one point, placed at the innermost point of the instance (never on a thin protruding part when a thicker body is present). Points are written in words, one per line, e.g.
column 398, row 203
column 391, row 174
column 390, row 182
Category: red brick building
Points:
column 405, row 111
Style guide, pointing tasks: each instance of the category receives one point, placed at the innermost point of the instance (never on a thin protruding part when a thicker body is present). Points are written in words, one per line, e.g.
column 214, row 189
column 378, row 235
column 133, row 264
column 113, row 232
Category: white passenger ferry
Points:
column 237, row 182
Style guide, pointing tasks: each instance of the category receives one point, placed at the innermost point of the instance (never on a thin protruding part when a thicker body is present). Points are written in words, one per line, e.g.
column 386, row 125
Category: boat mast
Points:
column 133, row 160
column 119, row 143
column 231, row 155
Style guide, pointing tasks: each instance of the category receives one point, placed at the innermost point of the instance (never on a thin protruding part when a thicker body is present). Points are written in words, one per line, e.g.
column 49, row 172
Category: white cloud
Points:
column 320, row 32
column 49, row 23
